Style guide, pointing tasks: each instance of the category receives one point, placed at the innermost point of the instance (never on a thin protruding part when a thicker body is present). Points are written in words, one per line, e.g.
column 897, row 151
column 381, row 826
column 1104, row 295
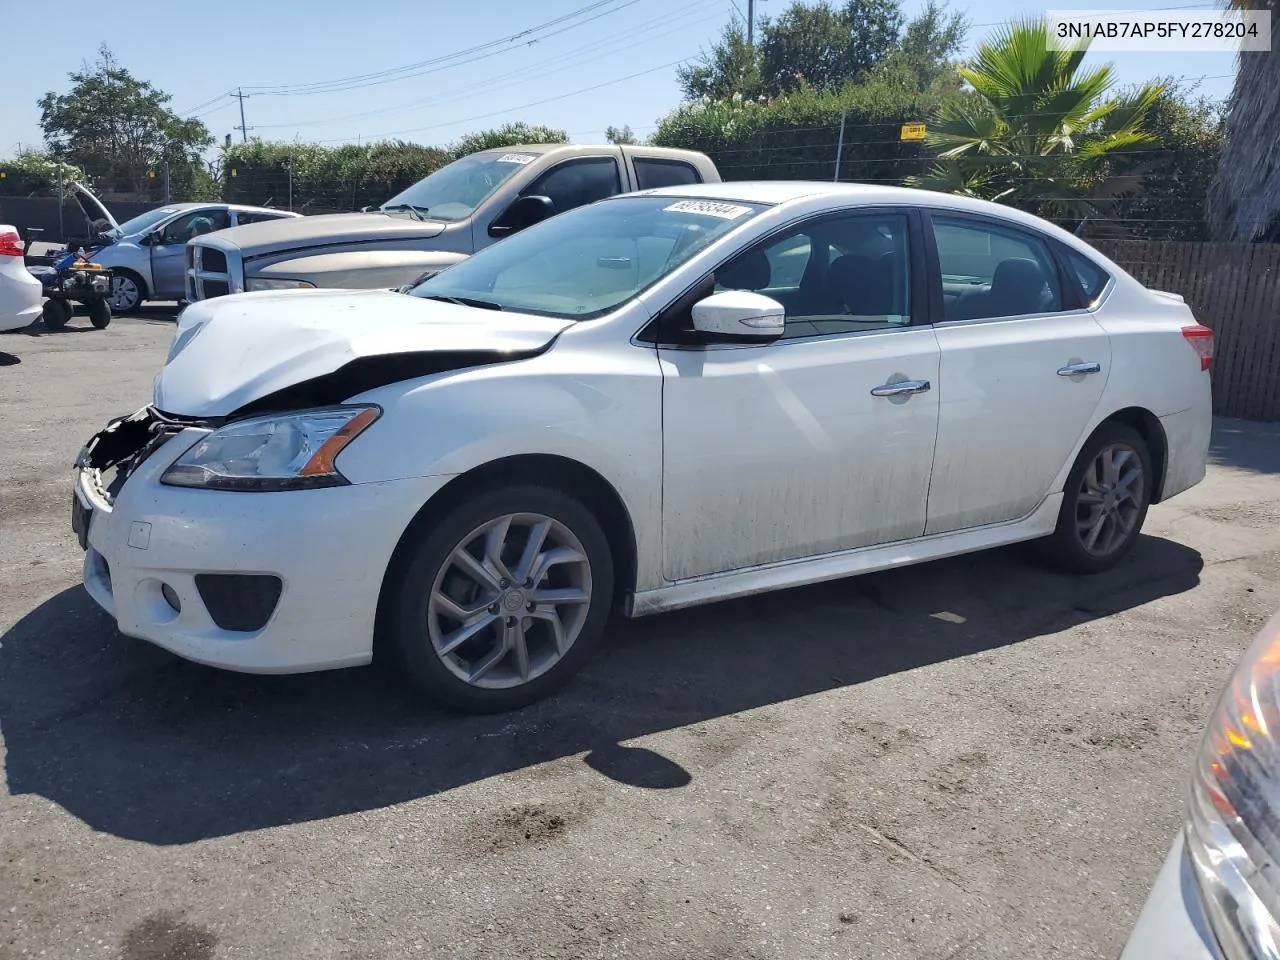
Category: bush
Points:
column 795, row 137
column 35, row 174
column 324, row 178
column 508, row 135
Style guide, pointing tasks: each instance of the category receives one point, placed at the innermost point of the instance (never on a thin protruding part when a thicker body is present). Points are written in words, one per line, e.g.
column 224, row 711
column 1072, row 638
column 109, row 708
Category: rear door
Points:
column 1023, row 367
column 168, row 270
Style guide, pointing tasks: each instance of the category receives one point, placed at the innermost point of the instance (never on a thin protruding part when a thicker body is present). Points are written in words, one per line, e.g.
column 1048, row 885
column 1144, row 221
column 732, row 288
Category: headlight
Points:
column 268, row 283
column 293, row 451
column 1233, row 824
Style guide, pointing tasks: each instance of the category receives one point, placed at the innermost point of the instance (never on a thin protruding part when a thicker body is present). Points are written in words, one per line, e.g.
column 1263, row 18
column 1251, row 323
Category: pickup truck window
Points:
column 454, row 191
column 591, row 260
column 652, row 172
column 576, row 183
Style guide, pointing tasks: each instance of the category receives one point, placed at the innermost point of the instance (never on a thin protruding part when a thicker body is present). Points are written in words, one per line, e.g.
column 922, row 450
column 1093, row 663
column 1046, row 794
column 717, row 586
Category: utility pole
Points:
column 751, row 23
column 166, row 181
column 244, row 130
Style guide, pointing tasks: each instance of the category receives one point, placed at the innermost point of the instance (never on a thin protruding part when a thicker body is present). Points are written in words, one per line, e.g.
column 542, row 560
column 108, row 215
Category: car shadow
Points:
column 8, row 359
column 142, row 745
column 1246, row 444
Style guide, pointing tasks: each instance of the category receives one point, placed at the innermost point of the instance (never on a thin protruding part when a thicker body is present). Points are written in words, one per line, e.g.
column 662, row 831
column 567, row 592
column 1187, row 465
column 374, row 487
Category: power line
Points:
column 522, row 106
column 435, row 64
column 523, row 75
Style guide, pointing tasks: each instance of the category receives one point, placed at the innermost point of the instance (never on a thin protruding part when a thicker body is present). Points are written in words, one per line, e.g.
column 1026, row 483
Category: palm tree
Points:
column 1244, row 202
column 1037, row 131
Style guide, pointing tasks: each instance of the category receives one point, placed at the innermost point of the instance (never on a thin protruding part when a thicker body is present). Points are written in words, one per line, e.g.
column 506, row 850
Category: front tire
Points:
column 99, row 313
column 1104, row 501
column 503, row 600
column 127, row 292
column 56, row 313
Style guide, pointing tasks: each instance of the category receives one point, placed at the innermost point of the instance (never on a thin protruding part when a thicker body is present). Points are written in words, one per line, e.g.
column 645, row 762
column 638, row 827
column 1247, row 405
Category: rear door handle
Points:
column 902, row 388
column 1077, row 369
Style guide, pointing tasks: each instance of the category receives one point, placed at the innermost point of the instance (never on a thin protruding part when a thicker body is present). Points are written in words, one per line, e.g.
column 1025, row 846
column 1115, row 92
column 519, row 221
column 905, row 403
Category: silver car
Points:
column 146, row 253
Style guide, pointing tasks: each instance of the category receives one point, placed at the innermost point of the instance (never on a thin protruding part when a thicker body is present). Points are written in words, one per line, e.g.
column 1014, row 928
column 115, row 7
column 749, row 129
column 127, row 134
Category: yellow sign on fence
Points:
column 913, row 131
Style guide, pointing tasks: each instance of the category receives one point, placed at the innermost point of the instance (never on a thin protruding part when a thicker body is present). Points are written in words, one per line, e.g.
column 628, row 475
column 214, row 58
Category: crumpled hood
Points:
column 231, row 351
column 292, row 233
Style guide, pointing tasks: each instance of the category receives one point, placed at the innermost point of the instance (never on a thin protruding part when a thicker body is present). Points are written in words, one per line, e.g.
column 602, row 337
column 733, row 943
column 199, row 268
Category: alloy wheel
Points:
column 509, row 601
column 1110, row 499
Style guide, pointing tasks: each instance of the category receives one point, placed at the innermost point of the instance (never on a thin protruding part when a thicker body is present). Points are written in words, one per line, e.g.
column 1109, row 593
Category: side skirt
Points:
column 798, row 573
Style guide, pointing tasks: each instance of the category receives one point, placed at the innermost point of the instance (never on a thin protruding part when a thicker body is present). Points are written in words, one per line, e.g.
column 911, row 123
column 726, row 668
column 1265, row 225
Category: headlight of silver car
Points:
column 270, row 283
column 293, row 451
column 1233, row 825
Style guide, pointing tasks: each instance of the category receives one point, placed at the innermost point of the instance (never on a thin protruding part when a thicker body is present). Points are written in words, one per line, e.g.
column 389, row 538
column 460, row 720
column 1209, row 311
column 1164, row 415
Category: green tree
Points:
column 119, row 127
column 925, row 57
column 1176, row 179
column 508, row 135
column 729, row 67
column 825, row 47
column 1041, row 133
column 623, row 135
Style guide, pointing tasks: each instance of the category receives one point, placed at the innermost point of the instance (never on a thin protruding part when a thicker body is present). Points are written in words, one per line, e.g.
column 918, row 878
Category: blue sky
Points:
column 611, row 65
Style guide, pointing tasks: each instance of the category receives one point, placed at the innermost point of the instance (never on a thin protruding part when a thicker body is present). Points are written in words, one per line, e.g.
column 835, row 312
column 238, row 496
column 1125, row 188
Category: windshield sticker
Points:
column 708, row 208
column 520, row 158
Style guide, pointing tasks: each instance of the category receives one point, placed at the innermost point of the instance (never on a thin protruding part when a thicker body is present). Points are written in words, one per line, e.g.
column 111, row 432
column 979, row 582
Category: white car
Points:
column 1217, row 896
column 655, row 401
column 21, row 299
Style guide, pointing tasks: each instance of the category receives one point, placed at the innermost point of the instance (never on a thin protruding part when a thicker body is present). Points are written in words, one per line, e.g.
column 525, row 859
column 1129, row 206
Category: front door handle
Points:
column 902, row 388
column 1077, row 369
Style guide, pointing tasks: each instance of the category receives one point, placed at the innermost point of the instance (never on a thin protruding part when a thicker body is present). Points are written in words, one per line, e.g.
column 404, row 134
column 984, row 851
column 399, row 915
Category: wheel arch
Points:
column 1148, row 426
column 561, row 473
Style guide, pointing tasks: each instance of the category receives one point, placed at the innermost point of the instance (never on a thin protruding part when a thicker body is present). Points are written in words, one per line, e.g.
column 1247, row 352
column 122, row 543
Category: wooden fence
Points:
column 1234, row 289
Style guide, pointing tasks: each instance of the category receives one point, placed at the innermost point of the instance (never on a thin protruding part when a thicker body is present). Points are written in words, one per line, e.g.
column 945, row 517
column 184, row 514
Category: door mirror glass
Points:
column 522, row 212
column 739, row 316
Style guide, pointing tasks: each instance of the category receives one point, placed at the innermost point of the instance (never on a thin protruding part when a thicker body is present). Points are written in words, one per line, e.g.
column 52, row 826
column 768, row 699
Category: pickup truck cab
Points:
column 442, row 219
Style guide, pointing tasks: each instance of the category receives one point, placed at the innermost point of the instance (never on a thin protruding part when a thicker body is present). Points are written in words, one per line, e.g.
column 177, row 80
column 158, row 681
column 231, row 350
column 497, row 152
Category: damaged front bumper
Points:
column 279, row 582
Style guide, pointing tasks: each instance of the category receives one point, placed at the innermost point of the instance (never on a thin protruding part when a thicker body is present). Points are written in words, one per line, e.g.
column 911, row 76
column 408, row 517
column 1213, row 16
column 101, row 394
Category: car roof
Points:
column 788, row 191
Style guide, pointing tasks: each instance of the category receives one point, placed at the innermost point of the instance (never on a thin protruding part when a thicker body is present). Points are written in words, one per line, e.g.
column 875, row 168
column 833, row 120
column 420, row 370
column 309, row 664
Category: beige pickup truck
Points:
column 443, row 218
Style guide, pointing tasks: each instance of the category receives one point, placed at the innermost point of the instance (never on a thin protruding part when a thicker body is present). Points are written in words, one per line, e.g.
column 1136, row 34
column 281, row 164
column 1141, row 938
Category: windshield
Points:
column 588, row 261
column 454, row 191
column 144, row 220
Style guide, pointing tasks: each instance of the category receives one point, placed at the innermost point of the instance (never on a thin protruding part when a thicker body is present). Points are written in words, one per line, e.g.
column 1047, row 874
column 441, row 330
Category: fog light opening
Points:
column 171, row 597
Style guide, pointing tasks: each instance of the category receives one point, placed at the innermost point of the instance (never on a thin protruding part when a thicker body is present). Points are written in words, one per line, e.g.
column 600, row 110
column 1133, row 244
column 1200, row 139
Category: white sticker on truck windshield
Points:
column 520, row 158
column 708, row 208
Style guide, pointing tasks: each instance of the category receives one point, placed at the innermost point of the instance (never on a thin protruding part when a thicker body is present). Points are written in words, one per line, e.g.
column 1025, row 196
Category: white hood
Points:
column 230, row 351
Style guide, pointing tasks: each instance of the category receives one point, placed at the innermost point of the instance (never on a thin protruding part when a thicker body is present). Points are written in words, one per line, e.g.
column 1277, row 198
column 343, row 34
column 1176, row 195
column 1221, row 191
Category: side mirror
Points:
column 739, row 316
column 522, row 212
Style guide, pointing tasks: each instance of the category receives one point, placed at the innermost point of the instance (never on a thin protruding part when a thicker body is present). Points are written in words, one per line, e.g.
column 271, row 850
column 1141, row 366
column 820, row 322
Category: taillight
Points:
column 1201, row 341
column 10, row 244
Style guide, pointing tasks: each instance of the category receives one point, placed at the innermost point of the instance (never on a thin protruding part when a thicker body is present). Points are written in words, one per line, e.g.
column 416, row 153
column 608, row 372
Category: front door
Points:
column 822, row 441
column 168, row 247
column 1023, row 369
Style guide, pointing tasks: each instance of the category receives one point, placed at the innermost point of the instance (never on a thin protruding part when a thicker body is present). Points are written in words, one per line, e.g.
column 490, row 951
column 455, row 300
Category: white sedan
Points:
column 21, row 297
column 659, row 400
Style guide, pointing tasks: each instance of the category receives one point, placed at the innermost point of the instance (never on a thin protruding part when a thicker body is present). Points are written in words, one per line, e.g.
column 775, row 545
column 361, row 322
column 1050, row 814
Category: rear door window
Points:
column 652, row 172
column 989, row 270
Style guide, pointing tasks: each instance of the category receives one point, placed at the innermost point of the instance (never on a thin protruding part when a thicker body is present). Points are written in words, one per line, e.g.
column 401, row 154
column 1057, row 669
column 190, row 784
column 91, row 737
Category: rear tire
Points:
column 502, row 600
column 99, row 313
column 1104, row 502
column 56, row 313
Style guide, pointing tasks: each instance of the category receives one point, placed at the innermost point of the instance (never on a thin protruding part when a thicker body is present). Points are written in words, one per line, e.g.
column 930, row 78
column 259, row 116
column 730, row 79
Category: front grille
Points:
column 216, row 288
column 212, row 260
column 239, row 601
column 191, row 256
